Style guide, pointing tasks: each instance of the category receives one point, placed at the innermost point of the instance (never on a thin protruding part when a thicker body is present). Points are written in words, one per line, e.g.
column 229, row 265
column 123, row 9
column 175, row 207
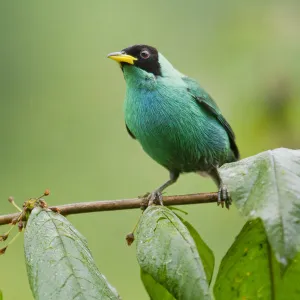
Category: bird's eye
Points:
column 145, row 54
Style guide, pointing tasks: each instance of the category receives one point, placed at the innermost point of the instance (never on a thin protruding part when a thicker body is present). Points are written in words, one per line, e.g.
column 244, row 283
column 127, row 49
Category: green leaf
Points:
column 267, row 186
column 167, row 252
column 59, row 263
column 205, row 253
column 245, row 271
column 1, row 296
column 250, row 270
column 154, row 289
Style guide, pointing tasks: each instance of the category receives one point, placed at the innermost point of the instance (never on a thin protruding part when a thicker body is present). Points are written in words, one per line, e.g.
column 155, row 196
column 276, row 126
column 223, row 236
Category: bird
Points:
column 174, row 119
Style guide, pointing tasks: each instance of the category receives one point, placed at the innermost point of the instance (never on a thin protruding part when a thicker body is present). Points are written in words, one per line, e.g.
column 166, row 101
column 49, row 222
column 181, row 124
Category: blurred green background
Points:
column 61, row 117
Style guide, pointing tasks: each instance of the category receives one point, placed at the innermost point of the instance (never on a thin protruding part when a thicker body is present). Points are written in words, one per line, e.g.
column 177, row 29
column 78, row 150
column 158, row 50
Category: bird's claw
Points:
column 224, row 197
column 154, row 198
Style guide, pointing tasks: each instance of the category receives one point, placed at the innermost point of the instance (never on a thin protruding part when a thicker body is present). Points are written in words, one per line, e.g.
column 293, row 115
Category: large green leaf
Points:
column 249, row 270
column 156, row 290
column 59, row 263
column 1, row 296
column 245, row 271
column 167, row 252
column 267, row 186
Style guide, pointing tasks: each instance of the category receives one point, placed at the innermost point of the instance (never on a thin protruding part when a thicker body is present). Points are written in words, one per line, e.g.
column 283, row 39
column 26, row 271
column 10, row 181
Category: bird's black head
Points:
column 142, row 56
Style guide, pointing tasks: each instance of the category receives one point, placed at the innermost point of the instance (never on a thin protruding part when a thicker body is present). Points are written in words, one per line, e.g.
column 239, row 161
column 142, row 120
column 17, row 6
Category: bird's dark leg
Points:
column 223, row 194
column 156, row 195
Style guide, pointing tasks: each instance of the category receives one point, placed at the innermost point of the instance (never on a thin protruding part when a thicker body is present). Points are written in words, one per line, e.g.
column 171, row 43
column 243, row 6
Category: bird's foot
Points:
column 155, row 198
column 152, row 198
column 224, row 197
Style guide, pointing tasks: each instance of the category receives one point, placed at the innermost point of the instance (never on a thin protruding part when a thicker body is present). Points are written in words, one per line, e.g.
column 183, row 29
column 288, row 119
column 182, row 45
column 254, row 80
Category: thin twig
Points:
column 105, row 205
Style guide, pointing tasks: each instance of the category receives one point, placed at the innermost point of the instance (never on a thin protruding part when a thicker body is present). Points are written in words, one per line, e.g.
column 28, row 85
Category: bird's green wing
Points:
column 206, row 102
column 197, row 91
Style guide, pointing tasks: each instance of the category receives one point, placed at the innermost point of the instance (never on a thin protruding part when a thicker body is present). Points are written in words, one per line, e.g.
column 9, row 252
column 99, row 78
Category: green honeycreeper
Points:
column 177, row 123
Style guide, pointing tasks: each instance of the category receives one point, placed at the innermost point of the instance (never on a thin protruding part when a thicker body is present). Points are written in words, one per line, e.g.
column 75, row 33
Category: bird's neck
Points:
column 137, row 78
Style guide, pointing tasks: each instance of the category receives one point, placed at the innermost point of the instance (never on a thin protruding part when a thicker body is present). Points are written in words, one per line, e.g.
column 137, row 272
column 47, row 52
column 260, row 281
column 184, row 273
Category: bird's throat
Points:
column 137, row 78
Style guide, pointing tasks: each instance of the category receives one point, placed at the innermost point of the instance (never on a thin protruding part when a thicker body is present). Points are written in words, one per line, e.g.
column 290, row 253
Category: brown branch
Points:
column 87, row 207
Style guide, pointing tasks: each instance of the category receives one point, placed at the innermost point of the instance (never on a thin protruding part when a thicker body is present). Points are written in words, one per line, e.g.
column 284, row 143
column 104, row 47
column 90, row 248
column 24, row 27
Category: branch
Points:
column 87, row 207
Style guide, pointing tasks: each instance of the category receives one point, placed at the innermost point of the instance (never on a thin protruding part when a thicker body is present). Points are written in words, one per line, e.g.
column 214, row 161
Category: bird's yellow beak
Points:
column 122, row 57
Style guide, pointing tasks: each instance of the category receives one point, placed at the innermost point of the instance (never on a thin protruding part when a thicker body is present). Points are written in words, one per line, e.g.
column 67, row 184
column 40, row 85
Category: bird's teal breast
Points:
column 174, row 130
